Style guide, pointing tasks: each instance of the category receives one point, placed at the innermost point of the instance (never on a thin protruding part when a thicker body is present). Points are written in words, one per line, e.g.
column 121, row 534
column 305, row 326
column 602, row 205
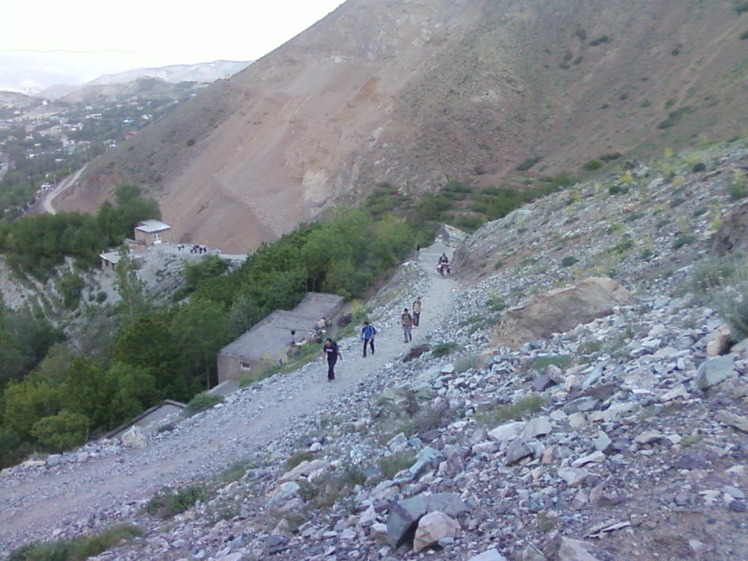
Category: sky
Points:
column 152, row 33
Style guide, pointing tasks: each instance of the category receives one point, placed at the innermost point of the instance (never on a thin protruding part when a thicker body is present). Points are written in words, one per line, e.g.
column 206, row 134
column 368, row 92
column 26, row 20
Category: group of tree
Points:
column 36, row 244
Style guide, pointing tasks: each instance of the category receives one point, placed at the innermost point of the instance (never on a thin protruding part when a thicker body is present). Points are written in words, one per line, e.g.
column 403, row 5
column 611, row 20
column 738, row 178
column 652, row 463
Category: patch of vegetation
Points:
column 600, row 41
column 618, row 189
column 742, row 8
column 610, row 157
column 170, row 502
column 569, row 260
column 529, row 163
column 78, row 549
column 501, row 413
column 683, row 240
column 237, row 470
column 743, row 36
column 392, row 465
column 495, row 302
column 738, row 188
column 465, row 362
column 202, row 402
column 698, row 167
column 427, row 418
column 542, row 362
column 297, row 459
column 674, row 117
column 443, row 349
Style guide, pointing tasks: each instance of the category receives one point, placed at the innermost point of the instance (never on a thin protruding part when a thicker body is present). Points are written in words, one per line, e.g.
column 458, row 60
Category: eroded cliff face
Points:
column 416, row 93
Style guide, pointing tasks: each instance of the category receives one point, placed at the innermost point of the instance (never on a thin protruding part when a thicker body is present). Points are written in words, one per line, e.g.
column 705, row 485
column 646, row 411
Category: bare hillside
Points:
column 415, row 94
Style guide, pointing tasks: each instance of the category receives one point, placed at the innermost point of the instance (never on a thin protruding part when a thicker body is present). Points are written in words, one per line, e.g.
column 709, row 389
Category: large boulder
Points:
column 433, row 527
column 732, row 236
column 559, row 311
column 403, row 517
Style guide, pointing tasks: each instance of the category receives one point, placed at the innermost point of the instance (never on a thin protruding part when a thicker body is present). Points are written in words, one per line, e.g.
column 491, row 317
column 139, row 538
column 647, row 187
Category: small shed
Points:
column 267, row 343
column 152, row 232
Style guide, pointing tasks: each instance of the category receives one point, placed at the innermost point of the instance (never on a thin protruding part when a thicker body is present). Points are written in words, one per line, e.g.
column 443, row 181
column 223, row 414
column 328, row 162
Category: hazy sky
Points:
column 158, row 32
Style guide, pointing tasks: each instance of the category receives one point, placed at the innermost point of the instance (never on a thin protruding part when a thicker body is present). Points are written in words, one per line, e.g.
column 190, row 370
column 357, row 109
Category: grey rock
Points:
column 517, row 451
column 714, row 371
column 404, row 515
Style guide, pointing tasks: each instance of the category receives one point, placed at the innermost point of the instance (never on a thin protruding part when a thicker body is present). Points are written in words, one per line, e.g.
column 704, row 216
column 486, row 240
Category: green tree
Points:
column 134, row 301
column 62, row 431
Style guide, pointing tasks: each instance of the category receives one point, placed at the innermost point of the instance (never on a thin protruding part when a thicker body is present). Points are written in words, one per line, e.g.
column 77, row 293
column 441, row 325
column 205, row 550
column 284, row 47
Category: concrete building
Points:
column 268, row 342
column 152, row 232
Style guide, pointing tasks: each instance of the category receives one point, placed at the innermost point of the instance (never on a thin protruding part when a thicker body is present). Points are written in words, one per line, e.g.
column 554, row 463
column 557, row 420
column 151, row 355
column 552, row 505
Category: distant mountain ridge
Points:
column 54, row 75
column 417, row 94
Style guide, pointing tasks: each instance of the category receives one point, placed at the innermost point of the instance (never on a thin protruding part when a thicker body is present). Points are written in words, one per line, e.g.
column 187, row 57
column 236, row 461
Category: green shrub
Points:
column 170, row 502
column 742, row 7
column 738, row 190
column 599, row 41
column 392, row 465
column 495, row 302
column 202, row 402
column 465, row 362
column 521, row 408
column 529, row 163
column 674, row 117
column 63, row 431
column 78, row 549
column 714, row 273
column 542, row 362
column 297, row 459
column 698, row 166
column 443, row 349
column 744, row 35
column 593, row 165
column 569, row 260
column 683, row 240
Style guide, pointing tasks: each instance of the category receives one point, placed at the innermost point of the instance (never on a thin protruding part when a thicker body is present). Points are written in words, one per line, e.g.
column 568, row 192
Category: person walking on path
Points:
column 406, row 320
column 331, row 351
column 417, row 311
column 367, row 336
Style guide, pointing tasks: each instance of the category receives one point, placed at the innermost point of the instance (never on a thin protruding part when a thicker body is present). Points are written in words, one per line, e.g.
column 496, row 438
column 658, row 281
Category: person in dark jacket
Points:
column 331, row 351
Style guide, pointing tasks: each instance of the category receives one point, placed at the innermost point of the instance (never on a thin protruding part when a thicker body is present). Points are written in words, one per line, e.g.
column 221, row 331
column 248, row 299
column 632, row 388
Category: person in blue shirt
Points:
column 367, row 336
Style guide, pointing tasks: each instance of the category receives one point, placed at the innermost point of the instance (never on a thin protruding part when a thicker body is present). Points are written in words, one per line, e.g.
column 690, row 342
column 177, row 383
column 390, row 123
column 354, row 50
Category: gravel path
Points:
column 36, row 502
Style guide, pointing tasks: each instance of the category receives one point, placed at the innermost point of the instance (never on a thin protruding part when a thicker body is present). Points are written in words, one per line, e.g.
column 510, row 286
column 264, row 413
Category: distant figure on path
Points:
column 367, row 336
column 406, row 320
column 417, row 311
column 330, row 351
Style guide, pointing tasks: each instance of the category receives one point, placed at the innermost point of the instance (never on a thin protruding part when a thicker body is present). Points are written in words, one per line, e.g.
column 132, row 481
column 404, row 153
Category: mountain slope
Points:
column 417, row 93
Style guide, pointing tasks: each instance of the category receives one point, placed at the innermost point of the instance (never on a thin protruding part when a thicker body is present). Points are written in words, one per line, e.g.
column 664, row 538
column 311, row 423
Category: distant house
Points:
column 152, row 232
column 267, row 343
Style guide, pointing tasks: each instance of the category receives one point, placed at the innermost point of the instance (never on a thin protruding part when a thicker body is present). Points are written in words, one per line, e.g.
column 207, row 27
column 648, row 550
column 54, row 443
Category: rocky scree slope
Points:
column 623, row 438
column 419, row 93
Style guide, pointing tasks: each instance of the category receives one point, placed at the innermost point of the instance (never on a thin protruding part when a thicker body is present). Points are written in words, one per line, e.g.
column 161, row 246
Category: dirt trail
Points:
column 34, row 505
